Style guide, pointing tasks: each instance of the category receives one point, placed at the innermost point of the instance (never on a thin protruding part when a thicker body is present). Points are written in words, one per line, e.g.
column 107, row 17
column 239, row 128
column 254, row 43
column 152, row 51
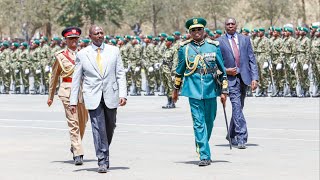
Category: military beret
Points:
column 218, row 31
column 138, row 38
column 277, row 29
column 314, row 27
column 271, row 28
column 255, row 30
column 211, row 34
column 118, row 37
column 25, row 44
column 150, row 37
column 85, row 40
column 195, row 22
column 128, row 37
column 56, row 39
column 113, row 41
column 157, row 39
column 246, row 30
column 207, row 30
column 107, row 37
column 305, row 29
column 71, row 32
column 288, row 29
column 261, row 29
column 15, row 44
column 299, row 28
column 44, row 38
column 318, row 29
column 36, row 41
column 163, row 35
column 6, row 44
column 177, row 33
column 170, row 38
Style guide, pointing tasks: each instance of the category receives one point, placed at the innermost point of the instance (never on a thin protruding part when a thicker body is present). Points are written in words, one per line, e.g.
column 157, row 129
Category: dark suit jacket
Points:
column 248, row 64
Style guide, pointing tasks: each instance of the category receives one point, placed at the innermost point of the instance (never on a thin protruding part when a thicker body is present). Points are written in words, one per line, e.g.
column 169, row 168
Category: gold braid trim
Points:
column 191, row 65
column 67, row 72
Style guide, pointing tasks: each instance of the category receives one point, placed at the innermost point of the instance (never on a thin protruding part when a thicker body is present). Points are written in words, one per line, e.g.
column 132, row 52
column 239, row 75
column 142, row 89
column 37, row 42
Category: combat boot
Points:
column 171, row 105
column 168, row 103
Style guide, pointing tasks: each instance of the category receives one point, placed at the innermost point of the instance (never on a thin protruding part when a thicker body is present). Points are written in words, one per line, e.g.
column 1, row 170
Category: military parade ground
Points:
column 152, row 143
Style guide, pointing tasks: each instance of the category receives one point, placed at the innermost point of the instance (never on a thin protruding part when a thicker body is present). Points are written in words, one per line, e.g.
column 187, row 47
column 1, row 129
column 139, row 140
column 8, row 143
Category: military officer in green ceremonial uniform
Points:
column 199, row 62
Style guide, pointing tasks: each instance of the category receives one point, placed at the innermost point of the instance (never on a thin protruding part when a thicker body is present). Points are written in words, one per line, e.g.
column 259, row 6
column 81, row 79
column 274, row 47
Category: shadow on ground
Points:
column 96, row 169
column 227, row 145
column 72, row 162
column 196, row 162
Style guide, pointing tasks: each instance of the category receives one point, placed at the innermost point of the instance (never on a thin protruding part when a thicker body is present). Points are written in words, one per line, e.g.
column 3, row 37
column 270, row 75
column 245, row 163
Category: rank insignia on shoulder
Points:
column 216, row 43
column 185, row 42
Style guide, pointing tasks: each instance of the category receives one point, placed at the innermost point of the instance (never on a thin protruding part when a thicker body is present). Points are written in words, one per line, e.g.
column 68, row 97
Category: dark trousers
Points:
column 238, row 125
column 103, row 122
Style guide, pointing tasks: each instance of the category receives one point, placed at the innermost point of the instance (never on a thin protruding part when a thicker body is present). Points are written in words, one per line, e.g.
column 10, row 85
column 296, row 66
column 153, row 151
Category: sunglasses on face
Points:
column 196, row 29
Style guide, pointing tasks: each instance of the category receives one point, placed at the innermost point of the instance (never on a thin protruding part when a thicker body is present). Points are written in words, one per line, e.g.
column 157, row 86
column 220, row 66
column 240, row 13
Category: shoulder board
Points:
column 216, row 43
column 59, row 52
column 185, row 42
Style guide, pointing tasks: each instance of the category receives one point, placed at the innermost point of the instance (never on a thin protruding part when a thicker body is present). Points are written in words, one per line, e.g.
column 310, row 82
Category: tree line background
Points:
column 28, row 18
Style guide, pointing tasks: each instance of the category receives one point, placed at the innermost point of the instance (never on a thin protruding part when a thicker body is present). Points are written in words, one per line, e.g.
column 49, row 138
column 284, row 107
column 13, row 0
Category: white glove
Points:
column 16, row 71
column 126, row 70
column 279, row 66
column 26, row 71
column 47, row 69
column 265, row 65
column 50, row 69
column 7, row 71
column 137, row 69
column 38, row 71
column 157, row 66
column 293, row 66
column 150, row 69
column 305, row 67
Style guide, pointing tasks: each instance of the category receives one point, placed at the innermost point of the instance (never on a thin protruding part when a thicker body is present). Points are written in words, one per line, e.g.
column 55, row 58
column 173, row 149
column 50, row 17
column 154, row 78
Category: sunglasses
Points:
column 196, row 29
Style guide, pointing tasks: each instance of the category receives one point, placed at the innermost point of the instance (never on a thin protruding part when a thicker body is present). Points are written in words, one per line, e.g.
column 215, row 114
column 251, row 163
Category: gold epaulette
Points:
column 216, row 43
column 184, row 42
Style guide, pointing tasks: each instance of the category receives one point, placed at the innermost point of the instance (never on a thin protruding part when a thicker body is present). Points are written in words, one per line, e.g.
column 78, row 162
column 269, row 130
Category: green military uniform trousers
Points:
column 203, row 114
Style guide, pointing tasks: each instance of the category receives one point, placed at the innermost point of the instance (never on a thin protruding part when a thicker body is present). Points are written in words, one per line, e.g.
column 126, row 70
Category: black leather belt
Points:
column 202, row 71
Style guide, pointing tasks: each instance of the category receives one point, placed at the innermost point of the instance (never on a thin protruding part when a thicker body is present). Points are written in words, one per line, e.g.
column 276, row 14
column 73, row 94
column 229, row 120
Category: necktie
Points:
column 99, row 62
column 235, row 51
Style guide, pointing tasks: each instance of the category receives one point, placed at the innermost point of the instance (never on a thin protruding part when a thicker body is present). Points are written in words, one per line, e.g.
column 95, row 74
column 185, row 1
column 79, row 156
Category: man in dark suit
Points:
column 241, row 67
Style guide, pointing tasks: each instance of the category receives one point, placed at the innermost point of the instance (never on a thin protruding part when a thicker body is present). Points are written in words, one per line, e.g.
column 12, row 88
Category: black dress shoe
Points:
column 242, row 146
column 102, row 168
column 204, row 162
column 78, row 160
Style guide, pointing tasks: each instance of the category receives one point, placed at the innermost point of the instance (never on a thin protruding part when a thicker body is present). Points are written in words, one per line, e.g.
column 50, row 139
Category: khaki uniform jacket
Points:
column 63, row 67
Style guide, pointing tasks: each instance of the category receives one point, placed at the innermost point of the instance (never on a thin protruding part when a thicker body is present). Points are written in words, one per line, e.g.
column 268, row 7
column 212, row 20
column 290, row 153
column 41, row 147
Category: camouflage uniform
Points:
column 125, row 50
column 287, row 56
column 5, row 66
column 25, row 67
column 303, row 58
column 35, row 68
column 45, row 63
column 136, row 65
column 149, row 61
column 15, row 69
column 315, row 61
column 276, row 46
column 262, row 51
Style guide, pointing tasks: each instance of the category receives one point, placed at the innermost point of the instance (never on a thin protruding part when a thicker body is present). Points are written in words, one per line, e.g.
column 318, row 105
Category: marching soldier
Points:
column 315, row 61
column 262, row 53
column 25, row 67
column 136, row 65
column 167, row 71
column 287, row 56
column 277, row 71
column 15, row 67
column 5, row 64
column 303, row 62
column 36, row 67
column 45, row 58
column 149, row 61
column 199, row 61
column 63, row 67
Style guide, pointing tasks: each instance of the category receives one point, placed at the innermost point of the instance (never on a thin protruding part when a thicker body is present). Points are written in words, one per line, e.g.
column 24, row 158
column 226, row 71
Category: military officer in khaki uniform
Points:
column 63, row 67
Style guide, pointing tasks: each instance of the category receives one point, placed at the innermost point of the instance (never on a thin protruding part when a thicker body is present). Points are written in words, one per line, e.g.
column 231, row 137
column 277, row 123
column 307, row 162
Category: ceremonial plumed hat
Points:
column 196, row 22
column 71, row 32
column 170, row 38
